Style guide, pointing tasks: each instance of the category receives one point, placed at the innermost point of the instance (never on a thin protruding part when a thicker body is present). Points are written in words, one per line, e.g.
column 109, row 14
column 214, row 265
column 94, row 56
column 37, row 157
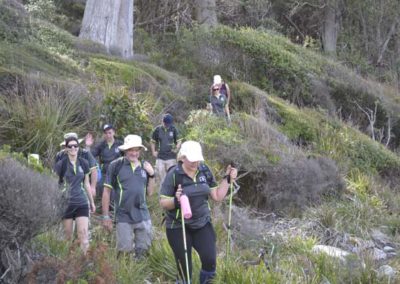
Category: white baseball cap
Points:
column 217, row 79
column 192, row 151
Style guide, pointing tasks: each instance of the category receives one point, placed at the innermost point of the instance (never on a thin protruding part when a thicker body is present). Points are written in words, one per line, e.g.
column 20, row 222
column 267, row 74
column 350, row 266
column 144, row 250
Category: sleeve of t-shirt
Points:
column 96, row 150
column 176, row 135
column 57, row 167
column 154, row 136
column 212, row 183
column 85, row 167
column 92, row 161
column 110, row 173
column 168, row 188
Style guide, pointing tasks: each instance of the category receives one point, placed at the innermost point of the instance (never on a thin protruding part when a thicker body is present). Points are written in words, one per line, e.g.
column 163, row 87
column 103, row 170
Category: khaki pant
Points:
column 134, row 236
column 162, row 167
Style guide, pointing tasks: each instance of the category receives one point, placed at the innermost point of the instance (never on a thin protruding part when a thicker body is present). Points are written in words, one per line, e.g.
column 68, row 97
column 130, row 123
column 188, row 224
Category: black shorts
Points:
column 74, row 211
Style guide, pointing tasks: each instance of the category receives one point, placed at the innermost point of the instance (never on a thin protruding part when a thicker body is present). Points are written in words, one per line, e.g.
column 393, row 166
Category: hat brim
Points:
column 79, row 141
column 194, row 157
column 129, row 146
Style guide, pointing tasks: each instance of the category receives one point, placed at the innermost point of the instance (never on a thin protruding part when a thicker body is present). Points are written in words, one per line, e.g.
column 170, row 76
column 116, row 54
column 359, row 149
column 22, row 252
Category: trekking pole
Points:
column 228, row 245
column 183, row 200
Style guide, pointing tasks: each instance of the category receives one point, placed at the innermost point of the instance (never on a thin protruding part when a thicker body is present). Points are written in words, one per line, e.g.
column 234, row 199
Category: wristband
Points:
column 151, row 176
column 176, row 203
column 105, row 217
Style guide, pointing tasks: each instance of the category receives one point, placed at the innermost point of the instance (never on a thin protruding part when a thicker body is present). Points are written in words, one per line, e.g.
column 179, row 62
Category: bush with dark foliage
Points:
column 30, row 202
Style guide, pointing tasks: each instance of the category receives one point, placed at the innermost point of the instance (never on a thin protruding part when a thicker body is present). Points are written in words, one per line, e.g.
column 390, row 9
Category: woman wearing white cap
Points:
column 220, row 96
column 194, row 179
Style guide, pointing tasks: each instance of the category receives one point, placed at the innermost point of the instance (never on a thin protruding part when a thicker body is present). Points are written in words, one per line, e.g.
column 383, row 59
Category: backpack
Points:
column 178, row 178
column 64, row 166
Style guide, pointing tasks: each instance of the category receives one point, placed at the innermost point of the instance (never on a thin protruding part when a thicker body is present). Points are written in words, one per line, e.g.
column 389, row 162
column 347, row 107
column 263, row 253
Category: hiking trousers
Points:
column 203, row 240
column 162, row 167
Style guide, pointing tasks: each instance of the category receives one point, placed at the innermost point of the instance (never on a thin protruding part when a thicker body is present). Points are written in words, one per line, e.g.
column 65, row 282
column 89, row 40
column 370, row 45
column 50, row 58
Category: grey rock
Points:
column 379, row 254
column 386, row 270
column 380, row 238
column 331, row 251
column 388, row 249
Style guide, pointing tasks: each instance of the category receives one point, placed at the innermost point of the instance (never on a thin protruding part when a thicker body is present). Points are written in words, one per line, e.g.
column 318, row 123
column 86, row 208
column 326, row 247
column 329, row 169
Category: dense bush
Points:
column 30, row 203
column 277, row 176
column 14, row 24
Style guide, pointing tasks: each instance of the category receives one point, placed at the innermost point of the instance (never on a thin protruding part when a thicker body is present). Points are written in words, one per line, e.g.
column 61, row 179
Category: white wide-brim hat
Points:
column 192, row 151
column 132, row 141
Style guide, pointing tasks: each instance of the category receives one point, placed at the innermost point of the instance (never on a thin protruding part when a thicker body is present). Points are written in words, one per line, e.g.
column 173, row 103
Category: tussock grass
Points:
column 38, row 115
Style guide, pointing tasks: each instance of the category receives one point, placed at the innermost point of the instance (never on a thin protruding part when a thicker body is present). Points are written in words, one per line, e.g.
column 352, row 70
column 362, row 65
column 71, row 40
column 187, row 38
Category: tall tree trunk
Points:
column 110, row 22
column 206, row 13
column 330, row 26
column 385, row 44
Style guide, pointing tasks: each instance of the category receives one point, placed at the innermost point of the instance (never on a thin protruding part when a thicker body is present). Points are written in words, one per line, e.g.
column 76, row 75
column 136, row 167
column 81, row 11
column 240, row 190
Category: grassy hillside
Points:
column 308, row 172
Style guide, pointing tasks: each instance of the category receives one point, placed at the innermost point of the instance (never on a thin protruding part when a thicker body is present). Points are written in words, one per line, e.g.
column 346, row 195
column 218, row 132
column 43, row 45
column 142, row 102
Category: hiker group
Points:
column 114, row 173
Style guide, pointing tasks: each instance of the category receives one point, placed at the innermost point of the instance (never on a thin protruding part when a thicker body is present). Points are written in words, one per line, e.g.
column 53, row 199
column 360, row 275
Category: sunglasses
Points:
column 72, row 146
column 216, row 89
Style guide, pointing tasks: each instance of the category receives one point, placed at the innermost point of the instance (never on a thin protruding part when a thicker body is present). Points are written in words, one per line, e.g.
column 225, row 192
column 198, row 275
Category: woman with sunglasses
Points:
column 219, row 102
column 74, row 178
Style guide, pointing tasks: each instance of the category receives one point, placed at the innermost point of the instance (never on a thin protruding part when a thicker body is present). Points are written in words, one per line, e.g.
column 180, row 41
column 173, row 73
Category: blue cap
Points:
column 168, row 119
column 107, row 127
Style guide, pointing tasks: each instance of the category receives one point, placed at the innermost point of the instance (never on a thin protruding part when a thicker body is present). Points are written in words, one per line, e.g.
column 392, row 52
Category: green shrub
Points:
column 14, row 24
column 128, row 112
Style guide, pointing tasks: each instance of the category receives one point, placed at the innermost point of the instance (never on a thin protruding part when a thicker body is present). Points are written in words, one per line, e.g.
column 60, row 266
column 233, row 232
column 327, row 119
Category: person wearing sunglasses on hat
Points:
column 194, row 179
column 220, row 97
column 131, row 179
column 106, row 151
column 83, row 153
column 73, row 175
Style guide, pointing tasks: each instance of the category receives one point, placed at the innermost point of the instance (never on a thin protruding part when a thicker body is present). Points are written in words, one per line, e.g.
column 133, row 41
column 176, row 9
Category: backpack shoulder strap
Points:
column 207, row 172
column 118, row 165
column 64, row 167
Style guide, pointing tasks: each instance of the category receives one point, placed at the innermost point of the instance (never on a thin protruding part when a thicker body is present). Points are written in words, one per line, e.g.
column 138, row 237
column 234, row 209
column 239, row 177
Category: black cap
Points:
column 107, row 126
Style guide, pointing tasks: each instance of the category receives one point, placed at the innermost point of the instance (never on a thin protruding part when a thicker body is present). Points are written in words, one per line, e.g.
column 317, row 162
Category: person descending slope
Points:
column 165, row 143
column 194, row 179
column 106, row 151
column 131, row 179
column 82, row 153
column 220, row 97
column 73, row 173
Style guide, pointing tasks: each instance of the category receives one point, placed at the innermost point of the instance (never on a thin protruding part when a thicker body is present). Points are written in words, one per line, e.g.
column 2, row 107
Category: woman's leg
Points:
column 204, row 242
column 82, row 224
column 175, row 240
column 68, row 228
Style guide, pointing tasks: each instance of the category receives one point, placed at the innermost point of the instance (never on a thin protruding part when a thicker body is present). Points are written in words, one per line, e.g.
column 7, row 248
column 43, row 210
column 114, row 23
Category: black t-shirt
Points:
column 107, row 153
column 218, row 104
column 130, row 188
column 197, row 191
column 165, row 139
column 74, row 178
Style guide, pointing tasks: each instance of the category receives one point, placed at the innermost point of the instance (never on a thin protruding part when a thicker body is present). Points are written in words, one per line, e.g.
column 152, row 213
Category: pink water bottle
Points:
column 185, row 206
